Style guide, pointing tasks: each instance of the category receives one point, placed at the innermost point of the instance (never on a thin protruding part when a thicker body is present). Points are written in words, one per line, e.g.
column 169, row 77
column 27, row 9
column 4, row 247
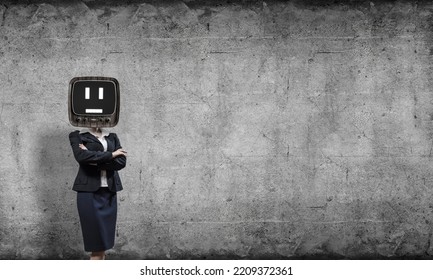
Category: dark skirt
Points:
column 98, row 213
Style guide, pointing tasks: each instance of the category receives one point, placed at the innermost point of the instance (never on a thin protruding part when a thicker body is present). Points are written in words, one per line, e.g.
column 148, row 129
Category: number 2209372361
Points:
column 262, row 270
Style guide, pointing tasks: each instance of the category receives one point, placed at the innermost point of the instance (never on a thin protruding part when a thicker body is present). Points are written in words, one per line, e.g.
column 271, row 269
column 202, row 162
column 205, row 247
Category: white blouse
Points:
column 103, row 172
column 105, row 145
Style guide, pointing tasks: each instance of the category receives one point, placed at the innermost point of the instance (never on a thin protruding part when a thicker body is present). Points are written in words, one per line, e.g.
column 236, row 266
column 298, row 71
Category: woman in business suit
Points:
column 100, row 156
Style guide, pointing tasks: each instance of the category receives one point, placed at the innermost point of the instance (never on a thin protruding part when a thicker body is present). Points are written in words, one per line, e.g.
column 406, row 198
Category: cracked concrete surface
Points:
column 255, row 129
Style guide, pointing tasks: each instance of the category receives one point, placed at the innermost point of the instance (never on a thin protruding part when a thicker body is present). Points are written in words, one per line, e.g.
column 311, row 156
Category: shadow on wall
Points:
column 58, row 234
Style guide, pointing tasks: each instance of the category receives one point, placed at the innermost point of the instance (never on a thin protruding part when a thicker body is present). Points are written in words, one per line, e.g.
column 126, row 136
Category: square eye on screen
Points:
column 93, row 97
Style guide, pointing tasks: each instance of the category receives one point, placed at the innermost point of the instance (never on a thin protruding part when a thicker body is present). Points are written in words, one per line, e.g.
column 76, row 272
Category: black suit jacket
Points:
column 94, row 159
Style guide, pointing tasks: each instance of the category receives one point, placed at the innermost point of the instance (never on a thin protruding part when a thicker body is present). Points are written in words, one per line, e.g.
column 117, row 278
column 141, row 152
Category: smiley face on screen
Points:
column 93, row 97
column 93, row 101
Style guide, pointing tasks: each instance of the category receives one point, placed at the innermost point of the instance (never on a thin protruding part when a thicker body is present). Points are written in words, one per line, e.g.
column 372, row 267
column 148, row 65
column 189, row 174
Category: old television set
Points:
column 94, row 101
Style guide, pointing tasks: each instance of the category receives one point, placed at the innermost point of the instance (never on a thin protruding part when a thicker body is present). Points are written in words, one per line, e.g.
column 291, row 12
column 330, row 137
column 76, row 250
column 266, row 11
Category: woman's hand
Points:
column 82, row 147
column 119, row 152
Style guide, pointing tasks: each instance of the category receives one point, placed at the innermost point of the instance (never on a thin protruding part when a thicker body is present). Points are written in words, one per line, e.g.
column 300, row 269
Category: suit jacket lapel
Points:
column 87, row 137
column 110, row 144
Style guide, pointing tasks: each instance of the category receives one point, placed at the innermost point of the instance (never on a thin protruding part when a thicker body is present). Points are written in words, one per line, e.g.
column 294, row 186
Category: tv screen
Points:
column 94, row 101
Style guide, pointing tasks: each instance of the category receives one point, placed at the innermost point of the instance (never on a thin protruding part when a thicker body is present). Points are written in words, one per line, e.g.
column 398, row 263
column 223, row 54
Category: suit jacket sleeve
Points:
column 86, row 156
column 116, row 163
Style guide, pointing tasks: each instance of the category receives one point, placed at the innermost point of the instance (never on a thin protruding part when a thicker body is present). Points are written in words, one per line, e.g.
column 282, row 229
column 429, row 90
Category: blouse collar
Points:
column 104, row 132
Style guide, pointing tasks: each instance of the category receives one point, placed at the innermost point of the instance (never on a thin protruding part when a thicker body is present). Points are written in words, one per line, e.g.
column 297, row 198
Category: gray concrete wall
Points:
column 255, row 129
